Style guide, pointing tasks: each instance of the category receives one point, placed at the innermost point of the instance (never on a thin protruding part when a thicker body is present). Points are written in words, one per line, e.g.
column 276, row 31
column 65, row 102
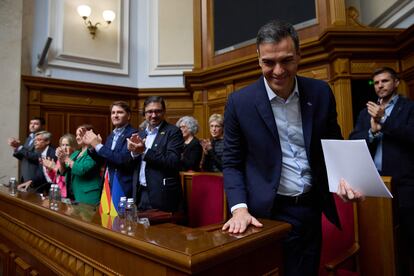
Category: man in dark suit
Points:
column 27, row 168
column 158, row 149
column 273, row 162
column 388, row 128
column 114, row 152
column 40, row 180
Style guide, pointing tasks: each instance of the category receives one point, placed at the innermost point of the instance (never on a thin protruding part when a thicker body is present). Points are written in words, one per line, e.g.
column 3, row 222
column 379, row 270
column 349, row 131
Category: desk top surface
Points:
column 169, row 236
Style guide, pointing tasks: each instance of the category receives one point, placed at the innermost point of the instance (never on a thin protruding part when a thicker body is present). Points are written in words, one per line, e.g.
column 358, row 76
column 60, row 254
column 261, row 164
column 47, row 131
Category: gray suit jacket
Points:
column 28, row 165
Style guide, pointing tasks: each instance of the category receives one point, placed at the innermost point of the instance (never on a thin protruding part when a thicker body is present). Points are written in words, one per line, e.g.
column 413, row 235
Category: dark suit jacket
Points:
column 252, row 159
column 28, row 167
column 191, row 157
column 39, row 182
column 397, row 146
column 162, row 168
column 118, row 160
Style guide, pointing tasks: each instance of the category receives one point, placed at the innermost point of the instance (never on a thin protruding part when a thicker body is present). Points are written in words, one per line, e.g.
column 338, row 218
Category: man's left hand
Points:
column 347, row 193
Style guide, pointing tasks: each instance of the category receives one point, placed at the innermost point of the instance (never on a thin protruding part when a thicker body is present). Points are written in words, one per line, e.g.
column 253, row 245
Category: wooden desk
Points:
column 74, row 240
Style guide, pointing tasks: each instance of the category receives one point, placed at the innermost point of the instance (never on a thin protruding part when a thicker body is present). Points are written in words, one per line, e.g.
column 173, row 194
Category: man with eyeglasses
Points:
column 40, row 180
column 119, row 162
column 158, row 149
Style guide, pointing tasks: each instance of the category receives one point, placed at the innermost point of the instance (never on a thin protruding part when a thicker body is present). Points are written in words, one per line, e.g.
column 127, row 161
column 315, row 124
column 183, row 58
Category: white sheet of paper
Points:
column 351, row 160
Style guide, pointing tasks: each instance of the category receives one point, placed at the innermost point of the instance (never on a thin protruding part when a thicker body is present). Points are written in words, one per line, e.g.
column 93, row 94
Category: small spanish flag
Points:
column 110, row 195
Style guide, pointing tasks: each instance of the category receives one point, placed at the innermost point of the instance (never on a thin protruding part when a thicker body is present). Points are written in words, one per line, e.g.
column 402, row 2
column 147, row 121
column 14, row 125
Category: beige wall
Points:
column 176, row 32
column 372, row 9
column 11, row 13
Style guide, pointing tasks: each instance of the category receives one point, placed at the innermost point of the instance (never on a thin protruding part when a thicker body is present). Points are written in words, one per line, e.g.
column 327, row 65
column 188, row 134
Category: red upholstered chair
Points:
column 206, row 203
column 340, row 247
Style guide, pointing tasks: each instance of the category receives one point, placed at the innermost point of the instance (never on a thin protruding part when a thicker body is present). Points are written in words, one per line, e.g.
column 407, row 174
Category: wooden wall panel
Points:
column 101, row 122
column 68, row 104
column 55, row 123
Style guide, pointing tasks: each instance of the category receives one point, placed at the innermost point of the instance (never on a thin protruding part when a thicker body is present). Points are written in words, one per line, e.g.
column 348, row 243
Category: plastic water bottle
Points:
column 57, row 195
column 131, row 216
column 121, row 213
column 12, row 186
column 52, row 196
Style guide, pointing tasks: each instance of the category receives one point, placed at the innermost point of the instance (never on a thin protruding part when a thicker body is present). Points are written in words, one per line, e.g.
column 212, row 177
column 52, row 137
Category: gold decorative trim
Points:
column 366, row 67
column 317, row 73
column 352, row 18
column 49, row 252
column 219, row 93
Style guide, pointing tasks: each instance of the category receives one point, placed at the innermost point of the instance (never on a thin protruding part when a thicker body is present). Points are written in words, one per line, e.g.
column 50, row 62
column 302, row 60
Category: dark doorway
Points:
column 362, row 92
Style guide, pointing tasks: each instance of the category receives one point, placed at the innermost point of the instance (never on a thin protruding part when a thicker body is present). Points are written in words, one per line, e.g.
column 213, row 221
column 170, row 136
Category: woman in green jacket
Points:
column 83, row 171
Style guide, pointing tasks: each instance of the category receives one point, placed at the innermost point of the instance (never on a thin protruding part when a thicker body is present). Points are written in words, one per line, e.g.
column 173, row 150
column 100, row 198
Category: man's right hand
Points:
column 13, row 142
column 135, row 144
column 240, row 220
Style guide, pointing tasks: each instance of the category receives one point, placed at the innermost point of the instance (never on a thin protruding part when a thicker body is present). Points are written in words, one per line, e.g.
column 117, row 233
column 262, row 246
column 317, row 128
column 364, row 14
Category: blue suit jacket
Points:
column 119, row 160
column 397, row 146
column 162, row 168
column 252, row 159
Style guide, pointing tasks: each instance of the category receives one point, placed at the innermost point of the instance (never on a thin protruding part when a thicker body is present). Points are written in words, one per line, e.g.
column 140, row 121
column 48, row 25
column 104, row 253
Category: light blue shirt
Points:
column 295, row 177
column 117, row 133
column 378, row 152
column 149, row 140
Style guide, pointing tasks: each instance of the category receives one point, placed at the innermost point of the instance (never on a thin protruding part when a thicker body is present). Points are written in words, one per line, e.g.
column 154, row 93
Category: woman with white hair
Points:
column 192, row 153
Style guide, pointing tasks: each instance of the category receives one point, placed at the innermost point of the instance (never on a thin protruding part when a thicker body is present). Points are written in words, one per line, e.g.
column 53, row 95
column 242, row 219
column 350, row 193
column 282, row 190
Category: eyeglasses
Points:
column 154, row 111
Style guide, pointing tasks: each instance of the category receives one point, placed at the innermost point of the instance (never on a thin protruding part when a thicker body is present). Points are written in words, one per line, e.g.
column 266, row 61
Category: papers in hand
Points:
column 351, row 160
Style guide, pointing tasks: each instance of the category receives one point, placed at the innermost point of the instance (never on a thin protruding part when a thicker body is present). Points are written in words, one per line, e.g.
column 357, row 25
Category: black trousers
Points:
column 302, row 246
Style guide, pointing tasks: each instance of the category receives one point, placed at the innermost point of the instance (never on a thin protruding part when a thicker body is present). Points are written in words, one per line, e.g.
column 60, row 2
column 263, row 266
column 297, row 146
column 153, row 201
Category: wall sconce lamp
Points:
column 85, row 11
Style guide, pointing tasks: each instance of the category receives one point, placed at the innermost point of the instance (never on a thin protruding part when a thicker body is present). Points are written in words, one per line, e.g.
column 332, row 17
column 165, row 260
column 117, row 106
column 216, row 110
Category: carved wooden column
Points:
column 341, row 86
column 200, row 112
column 338, row 12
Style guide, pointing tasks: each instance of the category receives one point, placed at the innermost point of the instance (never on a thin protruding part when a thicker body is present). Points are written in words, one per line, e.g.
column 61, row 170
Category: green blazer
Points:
column 85, row 178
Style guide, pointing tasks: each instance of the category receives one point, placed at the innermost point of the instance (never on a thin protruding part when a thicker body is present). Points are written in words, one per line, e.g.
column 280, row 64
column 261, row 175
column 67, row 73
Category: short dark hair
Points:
column 276, row 30
column 153, row 99
column 122, row 104
column 385, row 69
column 86, row 126
column 40, row 119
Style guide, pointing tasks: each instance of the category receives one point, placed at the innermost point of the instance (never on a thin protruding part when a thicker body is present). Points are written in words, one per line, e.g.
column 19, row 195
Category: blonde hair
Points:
column 216, row 118
column 71, row 140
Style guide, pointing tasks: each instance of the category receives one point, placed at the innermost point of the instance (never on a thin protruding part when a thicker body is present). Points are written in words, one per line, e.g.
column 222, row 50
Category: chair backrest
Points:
column 206, row 201
column 337, row 241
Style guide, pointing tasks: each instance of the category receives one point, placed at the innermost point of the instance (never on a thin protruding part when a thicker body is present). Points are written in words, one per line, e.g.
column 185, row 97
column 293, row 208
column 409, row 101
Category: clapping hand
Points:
column 136, row 144
column 90, row 138
column 61, row 154
column 206, row 144
column 49, row 163
column 13, row 142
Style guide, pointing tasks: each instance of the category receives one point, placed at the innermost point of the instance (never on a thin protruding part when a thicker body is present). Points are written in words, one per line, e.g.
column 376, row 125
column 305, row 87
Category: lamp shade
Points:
column 84, row 10
column 108, row 16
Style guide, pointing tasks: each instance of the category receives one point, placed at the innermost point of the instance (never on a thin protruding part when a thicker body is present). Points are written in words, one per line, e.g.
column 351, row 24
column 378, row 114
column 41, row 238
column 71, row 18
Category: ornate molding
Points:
column 366, row 67
column 321, row 73
column 156, row 68
column 49, row 252
column 59, row 55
